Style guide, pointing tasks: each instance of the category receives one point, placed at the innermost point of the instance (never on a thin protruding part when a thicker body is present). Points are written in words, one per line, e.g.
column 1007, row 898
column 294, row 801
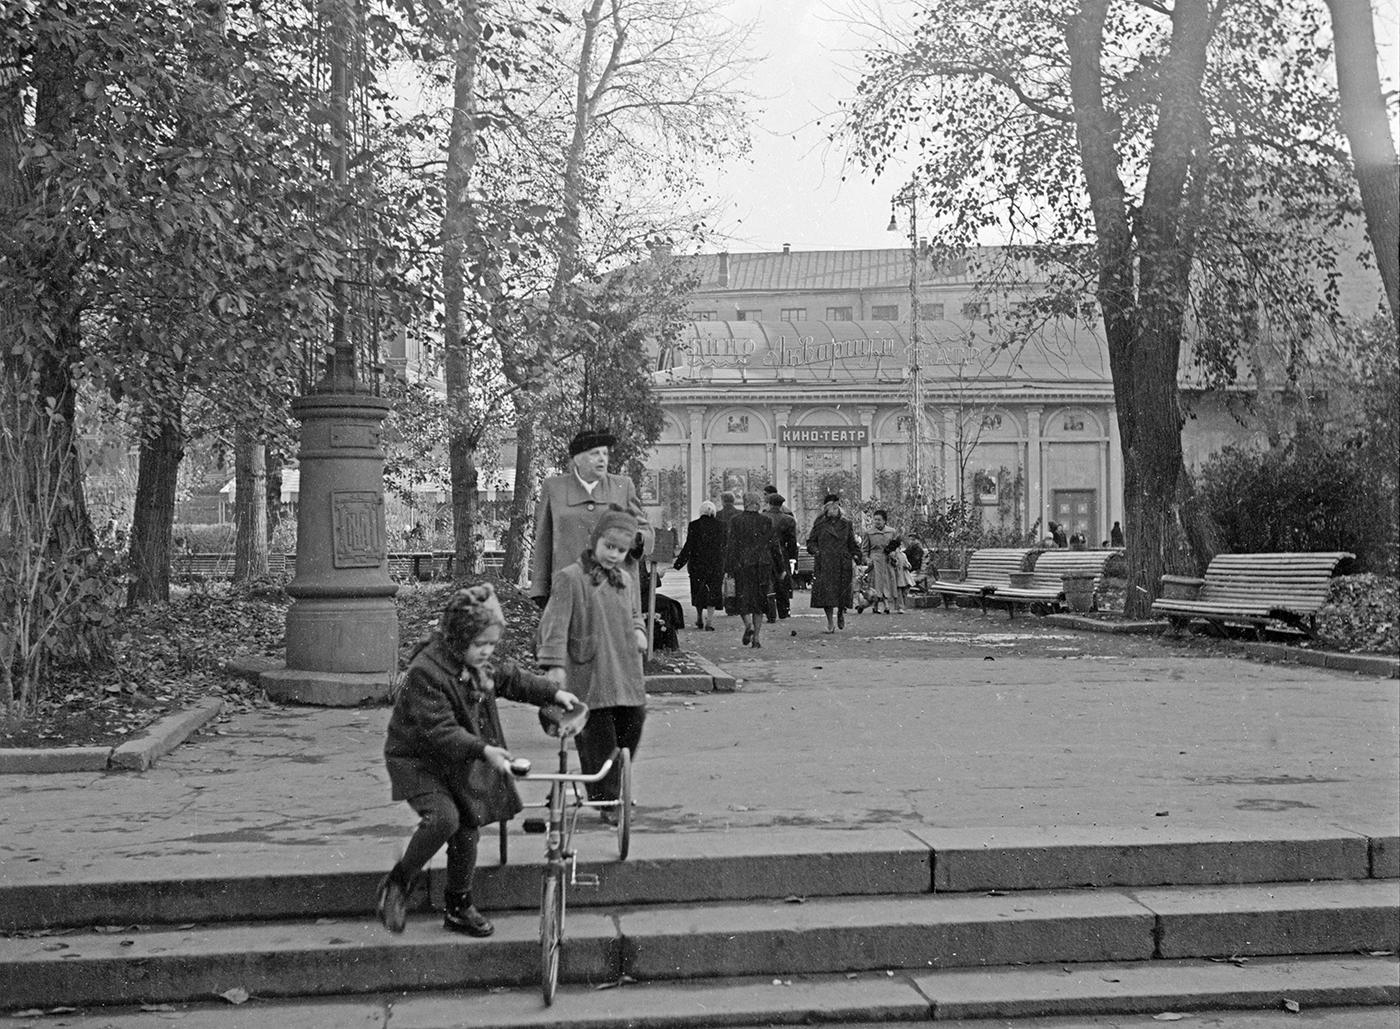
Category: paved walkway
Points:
column 934, row 718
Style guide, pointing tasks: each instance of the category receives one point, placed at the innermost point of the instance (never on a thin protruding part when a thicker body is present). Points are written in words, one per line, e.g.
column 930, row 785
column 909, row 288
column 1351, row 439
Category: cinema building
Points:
column 799, row 369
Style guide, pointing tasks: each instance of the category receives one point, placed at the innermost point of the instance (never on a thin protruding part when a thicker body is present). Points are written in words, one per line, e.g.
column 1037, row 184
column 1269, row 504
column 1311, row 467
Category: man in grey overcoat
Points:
column 571, row 504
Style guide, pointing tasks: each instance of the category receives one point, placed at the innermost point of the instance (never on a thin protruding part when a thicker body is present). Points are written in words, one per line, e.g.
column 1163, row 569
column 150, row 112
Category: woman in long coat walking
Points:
column 832, row 543
column 703, row 555
column 752, row 557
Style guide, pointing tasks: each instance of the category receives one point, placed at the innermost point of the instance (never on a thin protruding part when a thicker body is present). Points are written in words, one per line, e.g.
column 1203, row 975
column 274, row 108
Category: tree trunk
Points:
column 250, row 508
column 522, row 502
column 272, row 462
column 1367, row 129
column 586, row 91
column 1143, row 318
column 458, row 232
column 155, row 512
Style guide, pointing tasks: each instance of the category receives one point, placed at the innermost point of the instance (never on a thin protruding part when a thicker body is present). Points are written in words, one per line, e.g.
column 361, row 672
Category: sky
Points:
column 794, row 186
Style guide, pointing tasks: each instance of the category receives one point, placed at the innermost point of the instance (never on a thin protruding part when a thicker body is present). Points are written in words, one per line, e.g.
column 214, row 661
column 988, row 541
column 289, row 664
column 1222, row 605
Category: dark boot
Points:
column 392, row 901
column 461, row 917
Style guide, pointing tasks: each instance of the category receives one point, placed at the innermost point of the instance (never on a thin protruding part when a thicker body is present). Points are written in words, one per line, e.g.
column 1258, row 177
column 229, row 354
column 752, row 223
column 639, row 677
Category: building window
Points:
column 885, row 312
column 930, row 312
column 974, row 309
column 838, row 314
column 703, row 316
column 749, row 314
column 794, row 314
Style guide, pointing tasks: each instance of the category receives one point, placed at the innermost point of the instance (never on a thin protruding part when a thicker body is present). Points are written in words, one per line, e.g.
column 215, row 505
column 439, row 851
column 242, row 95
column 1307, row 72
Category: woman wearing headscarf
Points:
column 832, row 544
column 703, row 554
column 752, row 556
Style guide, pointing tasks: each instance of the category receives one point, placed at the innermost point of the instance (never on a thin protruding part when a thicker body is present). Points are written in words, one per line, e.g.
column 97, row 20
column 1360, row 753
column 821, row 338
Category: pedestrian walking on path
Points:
column 752, row 556
column 447, row 756
column 592, row 638
column 703, row 556
column 785, row 528
column 832, row 544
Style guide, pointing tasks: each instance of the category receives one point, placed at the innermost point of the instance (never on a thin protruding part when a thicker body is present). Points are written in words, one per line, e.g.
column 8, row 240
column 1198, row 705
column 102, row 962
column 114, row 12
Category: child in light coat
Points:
column 592, row 638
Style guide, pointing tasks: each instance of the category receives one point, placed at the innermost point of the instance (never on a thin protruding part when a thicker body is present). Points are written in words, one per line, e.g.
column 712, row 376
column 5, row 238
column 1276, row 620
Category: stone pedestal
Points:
column 342, row 628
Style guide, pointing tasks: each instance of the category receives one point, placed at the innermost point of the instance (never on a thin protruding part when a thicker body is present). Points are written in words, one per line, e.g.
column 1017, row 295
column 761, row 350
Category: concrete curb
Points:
column 137, row 754
column 1367, row 664
column 712, row 680
column 1096, row 625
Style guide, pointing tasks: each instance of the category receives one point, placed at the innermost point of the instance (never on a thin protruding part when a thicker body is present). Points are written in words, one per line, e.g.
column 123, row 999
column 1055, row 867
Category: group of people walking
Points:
column 740, row 561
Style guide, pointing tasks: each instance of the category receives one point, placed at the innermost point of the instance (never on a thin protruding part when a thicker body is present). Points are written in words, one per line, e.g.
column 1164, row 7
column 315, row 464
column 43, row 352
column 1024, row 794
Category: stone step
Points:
column 706, row 867
column 1246, row 991
column 663, row 942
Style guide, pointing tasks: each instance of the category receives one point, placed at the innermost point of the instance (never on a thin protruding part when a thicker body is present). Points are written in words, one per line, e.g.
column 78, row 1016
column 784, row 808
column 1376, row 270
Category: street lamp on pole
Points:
column 908, row 196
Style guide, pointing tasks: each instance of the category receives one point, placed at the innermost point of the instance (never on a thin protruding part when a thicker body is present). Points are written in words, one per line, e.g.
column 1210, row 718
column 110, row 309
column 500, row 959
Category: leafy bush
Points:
column 1311, row 493
column 1362, row 614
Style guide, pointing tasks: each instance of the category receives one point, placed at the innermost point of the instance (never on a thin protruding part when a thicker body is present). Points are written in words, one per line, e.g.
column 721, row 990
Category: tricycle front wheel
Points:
column 551, row 929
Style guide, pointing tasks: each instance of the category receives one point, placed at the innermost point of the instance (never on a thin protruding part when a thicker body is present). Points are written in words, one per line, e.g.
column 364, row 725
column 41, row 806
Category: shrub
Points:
column 1311, row 493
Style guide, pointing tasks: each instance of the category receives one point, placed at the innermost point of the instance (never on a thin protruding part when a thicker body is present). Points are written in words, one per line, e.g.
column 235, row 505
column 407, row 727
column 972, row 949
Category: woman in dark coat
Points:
column 832, row 543
column 703, row 553
column 752, row 557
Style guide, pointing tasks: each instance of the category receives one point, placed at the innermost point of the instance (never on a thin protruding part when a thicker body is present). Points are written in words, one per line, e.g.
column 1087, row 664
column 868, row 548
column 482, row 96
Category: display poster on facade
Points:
column 823, row 435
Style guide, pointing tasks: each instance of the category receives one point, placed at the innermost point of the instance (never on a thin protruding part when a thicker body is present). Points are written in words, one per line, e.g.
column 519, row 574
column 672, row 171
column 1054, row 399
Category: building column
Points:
column 782, row 459
column 951, row 471
column 1035, row 469
column 696, row 473
column 867, row 453
column 1113, row 504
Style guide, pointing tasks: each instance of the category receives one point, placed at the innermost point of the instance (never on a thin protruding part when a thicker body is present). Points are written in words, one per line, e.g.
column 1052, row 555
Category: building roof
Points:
column 799, row 270
column 874, row 351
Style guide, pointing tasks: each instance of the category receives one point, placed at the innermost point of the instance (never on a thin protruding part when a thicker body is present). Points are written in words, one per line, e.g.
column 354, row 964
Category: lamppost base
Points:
column 327, row 689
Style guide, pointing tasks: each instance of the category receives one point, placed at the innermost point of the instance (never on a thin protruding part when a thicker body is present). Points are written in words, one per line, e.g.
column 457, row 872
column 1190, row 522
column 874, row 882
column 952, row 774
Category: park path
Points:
column 935, row 718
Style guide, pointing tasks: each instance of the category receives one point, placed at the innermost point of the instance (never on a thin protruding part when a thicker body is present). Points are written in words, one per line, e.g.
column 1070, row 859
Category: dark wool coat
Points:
column 565, row 517
column 703, row 555
column 752, row 556
column 441, row 725
column 832, row 543
column 785, row 527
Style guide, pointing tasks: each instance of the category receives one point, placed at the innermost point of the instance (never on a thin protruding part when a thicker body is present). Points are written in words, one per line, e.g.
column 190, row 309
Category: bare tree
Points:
column 1144, row 147
column 653, row 87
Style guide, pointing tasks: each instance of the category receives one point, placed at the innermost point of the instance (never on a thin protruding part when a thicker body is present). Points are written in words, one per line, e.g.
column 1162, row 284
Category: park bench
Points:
column 220, row 566
column 1252, row 590
column 987, row 570
column 412, row 565
column 1045, row 591
column 203, row 566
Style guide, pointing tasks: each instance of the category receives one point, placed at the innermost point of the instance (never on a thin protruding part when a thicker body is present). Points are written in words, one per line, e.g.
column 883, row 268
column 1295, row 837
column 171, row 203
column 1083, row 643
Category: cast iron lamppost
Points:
column 909, row 197
column 342, row 628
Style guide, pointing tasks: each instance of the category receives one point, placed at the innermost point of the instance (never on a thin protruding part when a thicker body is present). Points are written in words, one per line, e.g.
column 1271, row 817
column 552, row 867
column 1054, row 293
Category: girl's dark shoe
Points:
column 461, row 917
column 748, row 637
column 709, row 628
column 392, row 901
